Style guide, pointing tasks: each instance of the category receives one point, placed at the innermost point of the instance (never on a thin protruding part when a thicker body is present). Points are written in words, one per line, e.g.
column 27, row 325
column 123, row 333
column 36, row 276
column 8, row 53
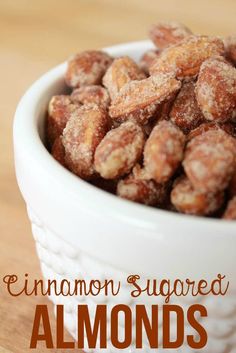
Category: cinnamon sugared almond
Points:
column 87, row 68
column 209, row 160
column 184, row 59
column 163, row 151
column 137, row 187
column 143, row 96
column 60, row 109
column 188, row 200
column 120, row 72
column 230, row 212
column 119, row 151
column 93, row 94
column 185, row 112
column 216, row 90
column 81, row 136
column 164, row 34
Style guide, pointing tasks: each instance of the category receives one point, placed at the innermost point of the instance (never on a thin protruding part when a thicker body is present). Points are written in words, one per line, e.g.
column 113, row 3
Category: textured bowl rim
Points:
column 26, row 133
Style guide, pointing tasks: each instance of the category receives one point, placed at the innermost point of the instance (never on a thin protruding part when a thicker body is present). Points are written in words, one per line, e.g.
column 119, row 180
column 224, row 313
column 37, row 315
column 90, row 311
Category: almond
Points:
column 165, row 34
column 188, row 200
column 209, row 160
column 163, row 151
column 81, row 136
column 185, row 112
column 137, row 187
column 120, row 149
column 60, row 109
column 93, row 94
column 141, row 98
column 87, row 68
column 121, row 71
column 184, row 59
column 216, row 90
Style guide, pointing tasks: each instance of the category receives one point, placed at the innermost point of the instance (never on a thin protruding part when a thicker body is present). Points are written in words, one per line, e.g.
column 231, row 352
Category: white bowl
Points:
column 80, row 229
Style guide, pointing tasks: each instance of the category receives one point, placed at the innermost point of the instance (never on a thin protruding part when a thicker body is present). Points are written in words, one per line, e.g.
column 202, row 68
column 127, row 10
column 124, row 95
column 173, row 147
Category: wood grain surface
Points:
column 34, row 36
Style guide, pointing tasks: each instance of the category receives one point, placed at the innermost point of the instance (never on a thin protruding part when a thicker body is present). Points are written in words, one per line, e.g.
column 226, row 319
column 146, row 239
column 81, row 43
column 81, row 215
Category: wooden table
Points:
column 34, row 36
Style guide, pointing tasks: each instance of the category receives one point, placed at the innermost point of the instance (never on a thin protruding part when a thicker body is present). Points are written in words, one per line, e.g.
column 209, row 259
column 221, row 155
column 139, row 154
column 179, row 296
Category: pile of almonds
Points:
column 161, row 132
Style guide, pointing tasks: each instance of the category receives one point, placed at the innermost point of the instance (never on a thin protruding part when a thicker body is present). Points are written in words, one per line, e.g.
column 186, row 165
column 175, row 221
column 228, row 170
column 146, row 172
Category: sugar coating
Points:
column 82, row 134
column 165, row 34
column 60, row 109
column 87, row 68
column 120, row 72
column 185, row 58
column 164, row 151
column 139, row 188
column 209, row 160
column 93, row 94
column 188, row 200
column 185, row 112
column 120, row 149
column 140, row 95
column 140, row 116
column 216, row 90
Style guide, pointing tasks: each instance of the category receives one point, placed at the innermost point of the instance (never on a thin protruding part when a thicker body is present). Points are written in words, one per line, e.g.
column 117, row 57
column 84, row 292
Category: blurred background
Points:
column 35, row 36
